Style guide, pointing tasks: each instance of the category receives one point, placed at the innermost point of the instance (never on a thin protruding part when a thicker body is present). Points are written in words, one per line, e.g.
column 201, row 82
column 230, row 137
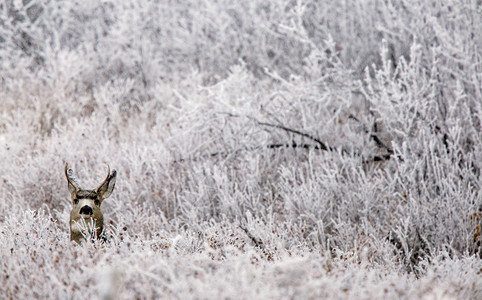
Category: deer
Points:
column 86, row 219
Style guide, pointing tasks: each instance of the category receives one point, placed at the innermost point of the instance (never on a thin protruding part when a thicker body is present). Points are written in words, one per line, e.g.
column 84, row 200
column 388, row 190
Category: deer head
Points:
column 86, row 218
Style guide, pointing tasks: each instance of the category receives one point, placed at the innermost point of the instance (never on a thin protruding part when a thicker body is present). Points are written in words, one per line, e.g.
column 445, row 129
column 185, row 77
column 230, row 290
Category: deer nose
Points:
column 86, row 210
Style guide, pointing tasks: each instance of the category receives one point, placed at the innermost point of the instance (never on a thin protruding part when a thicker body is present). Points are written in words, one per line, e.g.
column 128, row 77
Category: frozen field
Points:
column 264, row 149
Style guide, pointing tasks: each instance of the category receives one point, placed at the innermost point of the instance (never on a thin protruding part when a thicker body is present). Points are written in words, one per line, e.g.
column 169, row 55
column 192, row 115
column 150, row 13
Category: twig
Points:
column 320, row 145
column 373, row 136
column 255, row 240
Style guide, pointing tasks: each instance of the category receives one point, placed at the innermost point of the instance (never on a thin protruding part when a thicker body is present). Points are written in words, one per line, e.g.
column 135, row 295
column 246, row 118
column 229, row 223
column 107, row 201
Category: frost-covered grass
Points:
column 264, row 150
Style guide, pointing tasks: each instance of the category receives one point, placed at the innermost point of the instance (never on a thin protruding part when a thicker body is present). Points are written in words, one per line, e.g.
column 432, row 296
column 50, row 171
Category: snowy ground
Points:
column 264, row 150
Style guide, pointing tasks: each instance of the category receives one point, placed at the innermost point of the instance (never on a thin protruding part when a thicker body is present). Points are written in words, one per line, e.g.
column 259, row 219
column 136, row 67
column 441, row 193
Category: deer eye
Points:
column 76, row 201
column 96, row 202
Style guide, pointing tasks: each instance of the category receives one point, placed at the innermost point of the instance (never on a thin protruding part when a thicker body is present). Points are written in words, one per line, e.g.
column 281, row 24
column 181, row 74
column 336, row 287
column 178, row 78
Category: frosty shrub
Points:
column 264, row 149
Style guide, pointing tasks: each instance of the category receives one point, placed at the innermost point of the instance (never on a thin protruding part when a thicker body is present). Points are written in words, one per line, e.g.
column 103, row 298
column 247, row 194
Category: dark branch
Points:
column 255, row 240
column 373, row 136
column 320, row 145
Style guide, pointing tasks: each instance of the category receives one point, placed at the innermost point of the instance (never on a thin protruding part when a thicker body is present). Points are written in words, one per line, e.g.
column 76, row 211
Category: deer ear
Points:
column 73, row 185
column 106, row 188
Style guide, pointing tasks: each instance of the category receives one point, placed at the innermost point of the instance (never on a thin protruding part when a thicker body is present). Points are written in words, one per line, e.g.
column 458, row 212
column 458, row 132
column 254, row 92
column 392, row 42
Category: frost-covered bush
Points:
column 267, row 149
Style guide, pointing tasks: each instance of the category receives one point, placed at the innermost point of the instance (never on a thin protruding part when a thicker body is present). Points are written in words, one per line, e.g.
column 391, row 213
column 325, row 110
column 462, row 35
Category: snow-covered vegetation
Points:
column 264, row 149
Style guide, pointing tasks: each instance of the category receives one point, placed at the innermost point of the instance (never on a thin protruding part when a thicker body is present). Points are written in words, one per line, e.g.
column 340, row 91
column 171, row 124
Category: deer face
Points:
column 86, row 218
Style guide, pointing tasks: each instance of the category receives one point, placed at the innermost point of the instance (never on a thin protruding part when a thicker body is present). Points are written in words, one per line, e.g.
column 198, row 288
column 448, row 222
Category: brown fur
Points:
column 86, row 218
